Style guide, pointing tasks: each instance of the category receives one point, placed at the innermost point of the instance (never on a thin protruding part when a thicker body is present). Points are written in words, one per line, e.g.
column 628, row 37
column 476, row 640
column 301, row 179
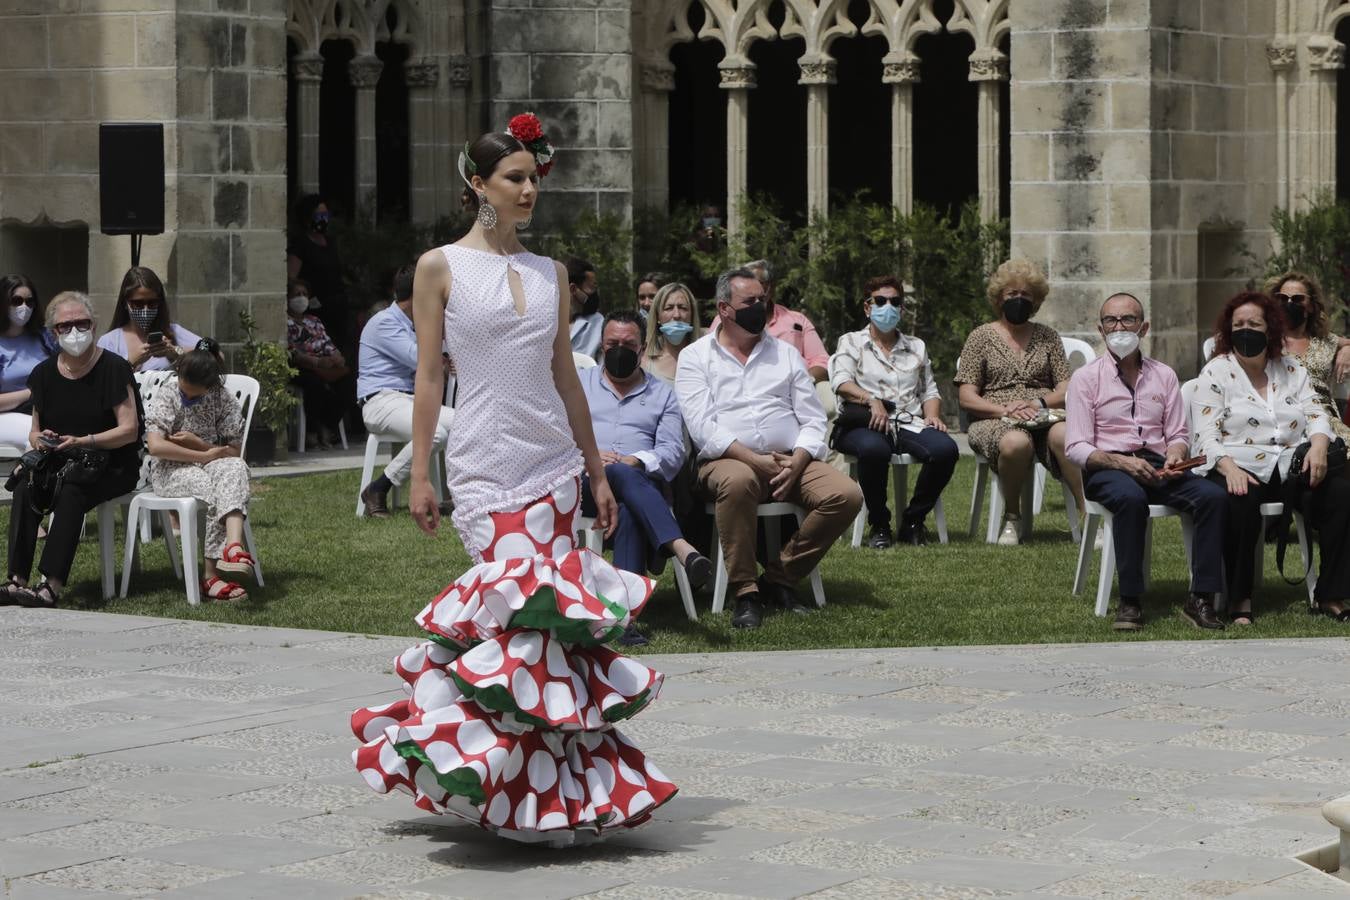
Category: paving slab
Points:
column 185, row 759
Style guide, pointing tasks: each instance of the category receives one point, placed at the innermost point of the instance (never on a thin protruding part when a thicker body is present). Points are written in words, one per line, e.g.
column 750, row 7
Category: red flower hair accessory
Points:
column 527, row 129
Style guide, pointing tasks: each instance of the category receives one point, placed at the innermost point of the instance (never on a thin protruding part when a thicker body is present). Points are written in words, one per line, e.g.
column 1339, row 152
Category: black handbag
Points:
column 1298, row 496
column 45, row 470
column 853, row 415
column 84, row 466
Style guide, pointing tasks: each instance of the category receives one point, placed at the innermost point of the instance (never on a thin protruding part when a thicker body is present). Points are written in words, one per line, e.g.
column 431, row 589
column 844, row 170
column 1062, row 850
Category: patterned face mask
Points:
column 143, row 316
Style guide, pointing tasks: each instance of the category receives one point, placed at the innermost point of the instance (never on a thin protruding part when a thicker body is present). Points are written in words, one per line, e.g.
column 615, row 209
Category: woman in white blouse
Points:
column 1252, row 407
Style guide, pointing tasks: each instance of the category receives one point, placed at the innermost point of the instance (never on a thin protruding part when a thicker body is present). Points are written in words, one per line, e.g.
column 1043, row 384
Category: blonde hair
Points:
column 65, row 297
column 1018, row 271
column 1319, row 324
column 656, row 341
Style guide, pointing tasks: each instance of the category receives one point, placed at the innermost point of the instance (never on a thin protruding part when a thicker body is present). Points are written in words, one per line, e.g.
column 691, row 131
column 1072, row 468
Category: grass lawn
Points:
column 325, row 569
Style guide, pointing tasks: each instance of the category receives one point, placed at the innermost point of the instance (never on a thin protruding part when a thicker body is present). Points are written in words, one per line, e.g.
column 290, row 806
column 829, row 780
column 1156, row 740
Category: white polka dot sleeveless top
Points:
column 511, row 442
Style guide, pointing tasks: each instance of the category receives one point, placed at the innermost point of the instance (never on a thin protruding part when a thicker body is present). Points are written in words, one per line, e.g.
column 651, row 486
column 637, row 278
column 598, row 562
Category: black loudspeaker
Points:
column 131, row 177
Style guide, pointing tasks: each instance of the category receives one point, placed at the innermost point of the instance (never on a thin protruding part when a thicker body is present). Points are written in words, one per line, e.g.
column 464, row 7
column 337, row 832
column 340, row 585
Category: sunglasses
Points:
column 76, row 325
column 1292, row 298
column 885, row 300
column 16, row 300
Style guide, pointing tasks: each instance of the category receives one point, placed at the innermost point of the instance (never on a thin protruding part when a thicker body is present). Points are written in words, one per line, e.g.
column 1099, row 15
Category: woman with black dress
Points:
column 312, row 256
column 84, row 398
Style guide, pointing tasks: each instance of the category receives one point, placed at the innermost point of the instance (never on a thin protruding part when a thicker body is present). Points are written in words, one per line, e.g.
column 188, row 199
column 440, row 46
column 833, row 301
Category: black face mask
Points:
column 620, row 361
column 319, row 226
column 752, row 318
column 1248, row 342
column 591, row 304
column 1017, row 310
column 1295, row 314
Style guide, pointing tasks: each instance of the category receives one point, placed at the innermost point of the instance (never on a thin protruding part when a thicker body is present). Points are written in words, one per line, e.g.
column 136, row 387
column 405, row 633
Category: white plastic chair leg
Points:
column 940, row 521
column 300, row 426
column 1085, row 552
column 1305, row 550
column 719, row 596
column 1107, row 573
column 252, row 548
column 817, row 586
column 129, row 551
column 171, row 545
column 367, row 472
column 342, row 433
column 860, row 520
column 106, row 536
column 1038, row 493
column 1070, row 510
column 995, row 511
column 191, row 579
column 1188, row 545
column 977, row 495
column 686, row 592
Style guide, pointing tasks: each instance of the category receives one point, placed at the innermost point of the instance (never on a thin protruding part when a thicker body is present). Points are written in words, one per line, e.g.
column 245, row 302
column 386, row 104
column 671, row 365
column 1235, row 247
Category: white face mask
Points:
column 19, row 315
column 75, row 341
column 297, row 304
column 1122, row 343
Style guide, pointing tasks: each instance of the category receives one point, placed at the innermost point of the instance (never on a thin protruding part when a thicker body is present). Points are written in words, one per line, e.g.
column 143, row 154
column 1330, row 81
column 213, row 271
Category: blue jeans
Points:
column 935, row 449
column 645, row 521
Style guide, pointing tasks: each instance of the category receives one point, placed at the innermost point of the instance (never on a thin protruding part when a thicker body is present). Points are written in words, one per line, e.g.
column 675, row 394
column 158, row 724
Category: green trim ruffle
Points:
column 541, row 613
column 498, row 698
column 463, row 782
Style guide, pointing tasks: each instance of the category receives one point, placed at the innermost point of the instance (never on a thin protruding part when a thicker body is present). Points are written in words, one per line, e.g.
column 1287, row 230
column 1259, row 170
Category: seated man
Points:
column 751, row 409
column 586, row 318
column 641, row 440
column 795, row 328
column 878, row 366
column 384, row 389
column 1127, row 432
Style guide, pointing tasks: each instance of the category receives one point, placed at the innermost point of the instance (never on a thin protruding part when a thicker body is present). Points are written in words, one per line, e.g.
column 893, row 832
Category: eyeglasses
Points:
column 1110, row 323
column 886, row 299
column 1292, row 298
column 76, row 325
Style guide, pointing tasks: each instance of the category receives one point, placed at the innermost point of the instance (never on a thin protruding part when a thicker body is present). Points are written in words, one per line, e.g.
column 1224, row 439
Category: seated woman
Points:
column 672, row 325
column 193, row 430
column 324, row 378
column 83, row 399
column 1012, row 369
column 23, row 344
column 1252, row 407
column 1308, row 338
column 143, row 331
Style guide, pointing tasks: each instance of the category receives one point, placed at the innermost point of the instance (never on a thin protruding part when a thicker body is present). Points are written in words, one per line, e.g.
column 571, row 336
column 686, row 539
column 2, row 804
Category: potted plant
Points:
column 270, row 364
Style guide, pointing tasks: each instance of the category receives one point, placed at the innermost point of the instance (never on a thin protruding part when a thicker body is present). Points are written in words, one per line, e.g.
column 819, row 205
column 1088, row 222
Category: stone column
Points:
column 817, row 75
column 364, row 72
column 738, row 78
column 989, row 69
column 422, row 77
column 1326, row 57
column 657, row 79
column 901, row 74
column 452, row 130
column 1281, row 54
column 307, row 70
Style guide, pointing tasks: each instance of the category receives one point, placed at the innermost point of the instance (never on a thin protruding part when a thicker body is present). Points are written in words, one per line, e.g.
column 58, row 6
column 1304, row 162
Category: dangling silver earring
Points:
column 487, row 215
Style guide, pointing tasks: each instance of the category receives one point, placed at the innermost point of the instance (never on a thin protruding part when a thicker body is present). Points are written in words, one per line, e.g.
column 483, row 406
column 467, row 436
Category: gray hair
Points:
column 723, row 293
column 761, row 266
column 66, row 297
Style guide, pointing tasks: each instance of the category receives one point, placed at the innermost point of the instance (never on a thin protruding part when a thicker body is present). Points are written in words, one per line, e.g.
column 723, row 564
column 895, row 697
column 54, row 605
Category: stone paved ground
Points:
column 152, row 757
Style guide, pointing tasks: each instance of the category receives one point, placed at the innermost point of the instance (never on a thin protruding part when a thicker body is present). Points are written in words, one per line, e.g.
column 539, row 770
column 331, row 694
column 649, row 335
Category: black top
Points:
column 87, row 405
column 321, row 269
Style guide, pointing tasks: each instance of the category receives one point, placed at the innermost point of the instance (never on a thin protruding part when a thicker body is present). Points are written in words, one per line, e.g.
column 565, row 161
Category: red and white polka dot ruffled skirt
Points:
column 510, row 709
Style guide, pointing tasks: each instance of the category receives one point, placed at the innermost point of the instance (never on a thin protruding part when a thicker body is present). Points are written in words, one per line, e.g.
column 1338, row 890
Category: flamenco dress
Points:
column 509, row 718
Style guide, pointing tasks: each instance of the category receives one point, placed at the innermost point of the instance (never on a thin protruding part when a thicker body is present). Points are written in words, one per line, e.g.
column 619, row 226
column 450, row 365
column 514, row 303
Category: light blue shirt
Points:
column 18, row 356
column 644, row 423
column 387, row 360
column 585, row 334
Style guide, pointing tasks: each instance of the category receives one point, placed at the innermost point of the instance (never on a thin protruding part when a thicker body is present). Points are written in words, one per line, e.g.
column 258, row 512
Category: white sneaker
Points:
column 1010, row 537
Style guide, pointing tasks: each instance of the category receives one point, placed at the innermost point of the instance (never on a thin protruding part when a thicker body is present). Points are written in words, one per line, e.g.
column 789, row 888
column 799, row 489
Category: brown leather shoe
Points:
column 1129, row 615
column 375, row 504
column 1199, row 611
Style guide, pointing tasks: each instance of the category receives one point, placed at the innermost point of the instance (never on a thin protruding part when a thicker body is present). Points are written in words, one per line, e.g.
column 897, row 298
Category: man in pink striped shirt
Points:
column 1127, row 431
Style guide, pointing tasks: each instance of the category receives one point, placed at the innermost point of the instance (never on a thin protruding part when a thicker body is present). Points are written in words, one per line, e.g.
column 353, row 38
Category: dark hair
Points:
column 625, row 317
column 872, row 285
column 210, row 345
column 1223, row 325
column 8, row 285
column 199, row 367
column 304, row 209
column 577, row 269
column 656, row 278
column 489, row 149
column 403, row 282
column 293, row 283
column 138, row 277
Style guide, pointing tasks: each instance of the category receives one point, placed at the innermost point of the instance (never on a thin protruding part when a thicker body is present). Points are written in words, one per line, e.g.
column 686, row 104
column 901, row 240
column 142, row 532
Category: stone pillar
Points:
column 738, row 78
column 1326, row 57
column 364, row 72
column 657, row 80
column 817, row 75
column 1281, row 54
column 422, row 77
column 452, row 130
column 989, row 69
column 901, row 74
column 307, row 70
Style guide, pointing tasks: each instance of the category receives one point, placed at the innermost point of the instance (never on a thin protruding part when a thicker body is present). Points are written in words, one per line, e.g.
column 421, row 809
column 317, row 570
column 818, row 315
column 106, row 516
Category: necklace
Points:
column 71, row 371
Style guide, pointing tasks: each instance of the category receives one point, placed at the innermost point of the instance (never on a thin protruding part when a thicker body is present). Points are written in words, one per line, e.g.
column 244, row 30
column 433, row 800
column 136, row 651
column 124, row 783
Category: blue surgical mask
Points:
column 675, row 331
column 886, row 317
column 189, row 401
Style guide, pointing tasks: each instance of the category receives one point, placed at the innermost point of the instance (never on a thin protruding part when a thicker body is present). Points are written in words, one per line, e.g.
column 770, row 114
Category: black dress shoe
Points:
column 913, row 534
column 698, row 569
column 631, row 637
column 1129, row 616
column 781, row 596
column 1199, row 611
column 748, row 613
column 375, row 504
column 881, row 538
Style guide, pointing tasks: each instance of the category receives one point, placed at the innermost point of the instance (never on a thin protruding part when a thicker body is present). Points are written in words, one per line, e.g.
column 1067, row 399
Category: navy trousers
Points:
column 935, row 449
column 645, row 520
column 1128, row 500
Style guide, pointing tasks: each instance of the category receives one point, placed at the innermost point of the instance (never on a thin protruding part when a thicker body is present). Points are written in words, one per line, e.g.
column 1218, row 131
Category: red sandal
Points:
column 218, row 590
column 235, row 560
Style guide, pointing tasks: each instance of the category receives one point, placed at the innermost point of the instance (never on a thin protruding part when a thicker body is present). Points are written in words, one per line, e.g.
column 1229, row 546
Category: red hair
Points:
column 1223, row 325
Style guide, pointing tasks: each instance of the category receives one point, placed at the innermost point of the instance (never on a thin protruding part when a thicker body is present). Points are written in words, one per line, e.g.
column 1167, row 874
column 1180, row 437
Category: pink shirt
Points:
column 1103, row 414
column 791, row 327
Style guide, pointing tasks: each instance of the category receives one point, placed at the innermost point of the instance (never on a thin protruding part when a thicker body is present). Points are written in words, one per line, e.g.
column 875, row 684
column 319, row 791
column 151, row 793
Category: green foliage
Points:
column 270, row 365
column 606, row 242
column 372, row 252
column 1315, row 240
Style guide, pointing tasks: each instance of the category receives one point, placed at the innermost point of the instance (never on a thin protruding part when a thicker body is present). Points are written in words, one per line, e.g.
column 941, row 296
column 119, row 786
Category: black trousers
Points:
column 73, row 501
column 936, row 450
column 1330, row 519
column 326, row 402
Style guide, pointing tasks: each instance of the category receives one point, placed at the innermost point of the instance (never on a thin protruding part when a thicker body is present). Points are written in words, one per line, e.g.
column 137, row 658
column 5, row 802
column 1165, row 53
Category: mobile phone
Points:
column 155, row 337
column 48, row 440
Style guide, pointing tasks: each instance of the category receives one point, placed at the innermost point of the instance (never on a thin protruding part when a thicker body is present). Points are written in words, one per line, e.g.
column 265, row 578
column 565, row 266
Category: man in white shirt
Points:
column 752, row 411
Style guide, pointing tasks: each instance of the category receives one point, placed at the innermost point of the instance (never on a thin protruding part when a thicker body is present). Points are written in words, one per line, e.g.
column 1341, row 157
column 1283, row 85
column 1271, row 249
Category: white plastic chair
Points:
column 900, row 464
column 770, row 513
column 245, row 390
column 373, row 443
column 1079, row 353
column 300, row 429
column 1206, row 350
column 1098, row 513
column 592, row 539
